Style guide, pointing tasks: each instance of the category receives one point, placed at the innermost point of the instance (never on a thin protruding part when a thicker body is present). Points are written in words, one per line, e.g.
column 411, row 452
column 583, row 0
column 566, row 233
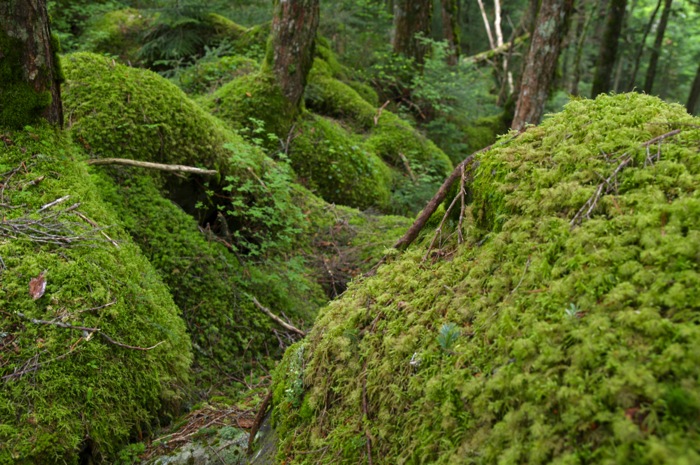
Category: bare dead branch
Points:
column 85, row 329
column 258, row 420
column 54, row 203
column 150, row 165
column 277, row 319
column 661, row 137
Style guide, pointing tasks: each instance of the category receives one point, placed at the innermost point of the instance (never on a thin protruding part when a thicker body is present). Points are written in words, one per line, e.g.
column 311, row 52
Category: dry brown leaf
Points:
column 37, row 286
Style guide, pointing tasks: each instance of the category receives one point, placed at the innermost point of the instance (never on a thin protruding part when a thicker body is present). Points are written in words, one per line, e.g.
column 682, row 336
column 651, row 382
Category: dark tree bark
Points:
column 412, row 17
column 450, row 27
column 585, row 16
column 545, row 47
column 30, row 76
column 607, row 52
column 694, row 97
column 291, row 50
column 658, row 43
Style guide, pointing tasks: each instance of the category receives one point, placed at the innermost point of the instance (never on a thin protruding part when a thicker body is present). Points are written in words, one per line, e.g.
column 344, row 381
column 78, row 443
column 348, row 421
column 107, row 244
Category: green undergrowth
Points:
column 545, row 337
column 117, row 111
column 63, row 391
column 417, row 165
column 117, row 33
column 339, row 242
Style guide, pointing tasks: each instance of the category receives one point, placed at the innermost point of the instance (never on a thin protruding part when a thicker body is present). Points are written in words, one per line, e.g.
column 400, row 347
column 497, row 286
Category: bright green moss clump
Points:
column 253, row 102
column 332, row 162
column 534, row 341
column 117, row 111
column 63, row 390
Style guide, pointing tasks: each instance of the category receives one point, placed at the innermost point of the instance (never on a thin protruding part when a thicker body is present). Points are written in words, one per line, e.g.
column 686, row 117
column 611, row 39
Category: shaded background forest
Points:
column 643, row 45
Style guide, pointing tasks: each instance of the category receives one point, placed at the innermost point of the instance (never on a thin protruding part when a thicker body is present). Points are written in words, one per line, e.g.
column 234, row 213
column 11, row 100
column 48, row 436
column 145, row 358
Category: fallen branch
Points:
column 150, row 165
column 258, row 420
column 488, row 54
column 277, row 319
column 410, row 235
column 608, row 185
column 85, row 329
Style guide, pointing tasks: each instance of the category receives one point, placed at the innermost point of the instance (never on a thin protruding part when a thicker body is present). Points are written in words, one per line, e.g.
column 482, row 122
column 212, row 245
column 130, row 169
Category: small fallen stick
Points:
column 150, row 165
column 278, row 320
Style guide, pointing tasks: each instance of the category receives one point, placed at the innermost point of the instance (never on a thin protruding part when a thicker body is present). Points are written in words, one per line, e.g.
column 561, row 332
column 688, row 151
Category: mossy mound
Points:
column 117, row 111
column 117, row 33
column 548, row 336
column 331, row 97
column 212, row 288
column 67, row 392
column 207, row 75
column 331, row 162
column 253, row 105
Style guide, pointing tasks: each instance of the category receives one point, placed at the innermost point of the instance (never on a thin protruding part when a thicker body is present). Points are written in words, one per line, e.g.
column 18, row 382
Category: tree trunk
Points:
column 658, row 43
column 642, row 46
column 30, row 76
column 694, row 96
column 545, row 48
column 607, row 52
column 450, row 27
column 291, row 50
column 412, row 17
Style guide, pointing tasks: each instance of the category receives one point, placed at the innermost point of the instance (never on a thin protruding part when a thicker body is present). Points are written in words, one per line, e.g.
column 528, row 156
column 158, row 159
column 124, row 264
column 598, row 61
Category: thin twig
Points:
column 527, row 265
column 277, row 319
column 462, row 195
column 661, row 137
column 61, row 324
column 93, row 224
column 150, row 165
column 54, row 203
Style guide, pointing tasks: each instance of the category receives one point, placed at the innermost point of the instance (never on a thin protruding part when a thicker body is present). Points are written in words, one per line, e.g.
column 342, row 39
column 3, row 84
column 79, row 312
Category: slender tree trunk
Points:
column 290, row 53
column 487, row 24
column 30, row 76
column 694, row 97
column 545, row 47
column 450, row 27
column 412, row 17
column 642, row 46
column 608, row 47
column 656, row 51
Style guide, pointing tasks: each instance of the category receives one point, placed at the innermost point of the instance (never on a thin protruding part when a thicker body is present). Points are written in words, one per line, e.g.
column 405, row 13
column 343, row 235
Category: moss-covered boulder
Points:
column 254, row 106
column 333, row 163
column 117, row 111
column 207, row 75
column 211, row 286
column 563, row 330
column 92, row 349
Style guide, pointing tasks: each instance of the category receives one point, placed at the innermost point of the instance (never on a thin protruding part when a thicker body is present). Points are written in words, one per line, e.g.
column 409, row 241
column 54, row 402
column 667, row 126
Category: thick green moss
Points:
column 117, row 111
column 78, row 392
column 20, row 104
column 253, row 102
column 331, row 162
column 328, row 96
column 117, row 33
column 535, row 342
column 212, row 288
column 207, row 75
